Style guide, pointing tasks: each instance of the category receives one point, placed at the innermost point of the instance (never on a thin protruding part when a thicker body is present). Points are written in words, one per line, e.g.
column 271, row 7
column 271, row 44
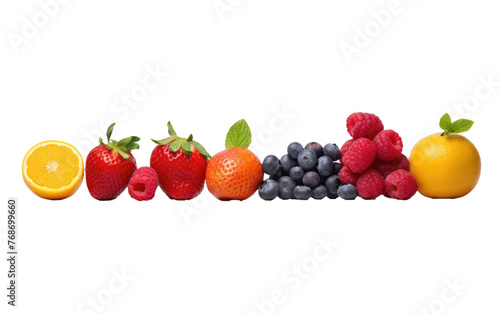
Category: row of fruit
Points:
column 180, row 166
column 370, row 164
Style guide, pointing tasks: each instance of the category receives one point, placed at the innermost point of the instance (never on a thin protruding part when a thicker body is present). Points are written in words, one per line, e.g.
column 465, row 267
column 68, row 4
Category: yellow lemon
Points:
column 53, row 169
column 445, row 166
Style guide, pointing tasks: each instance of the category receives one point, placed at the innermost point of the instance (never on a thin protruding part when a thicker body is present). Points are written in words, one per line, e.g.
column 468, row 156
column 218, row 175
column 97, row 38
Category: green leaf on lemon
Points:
column 461, row 125
column 239, row 135
column 458, row 126
column 445, row 121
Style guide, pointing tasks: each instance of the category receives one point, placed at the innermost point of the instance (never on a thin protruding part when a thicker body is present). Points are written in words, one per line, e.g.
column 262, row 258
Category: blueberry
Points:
column 296, row 173
column 332, row 183
column 302, row 192
column 315, row 147
column 307, row 159
column 319, row 192
column 336, row 167
column 268, row 190
column 276, row 176
column 311, row 179
column 287, row 163
column 347, row 191
column 271, row 165
column 286, row 187
column 332, row 196
column 294, row 149
column 332, row 151
column 322, row 180
column 325, row 166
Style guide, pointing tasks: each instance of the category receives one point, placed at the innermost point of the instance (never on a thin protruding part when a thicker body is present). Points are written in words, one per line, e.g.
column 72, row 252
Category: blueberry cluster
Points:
column 305, row 172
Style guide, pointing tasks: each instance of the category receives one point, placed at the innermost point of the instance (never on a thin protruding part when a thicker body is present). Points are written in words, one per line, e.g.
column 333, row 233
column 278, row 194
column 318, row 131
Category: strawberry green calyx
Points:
column 122, row 146
column 458, row 126
column 175, row 143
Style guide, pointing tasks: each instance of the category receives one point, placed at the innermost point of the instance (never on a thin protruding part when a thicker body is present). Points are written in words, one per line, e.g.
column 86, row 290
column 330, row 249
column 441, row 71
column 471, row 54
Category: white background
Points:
column 262, row 57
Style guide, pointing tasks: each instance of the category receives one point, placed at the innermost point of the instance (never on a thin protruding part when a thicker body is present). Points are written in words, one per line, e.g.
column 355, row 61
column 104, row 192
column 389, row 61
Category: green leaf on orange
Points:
column 239, row 135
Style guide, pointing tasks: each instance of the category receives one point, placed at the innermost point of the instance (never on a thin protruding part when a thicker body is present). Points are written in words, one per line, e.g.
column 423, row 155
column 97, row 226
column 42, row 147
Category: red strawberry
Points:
column 180, row 164
column 110, row 166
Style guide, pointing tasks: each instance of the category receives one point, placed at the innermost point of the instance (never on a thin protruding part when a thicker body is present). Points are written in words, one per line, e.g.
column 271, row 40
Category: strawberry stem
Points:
column 175, row 143
column 122, row 146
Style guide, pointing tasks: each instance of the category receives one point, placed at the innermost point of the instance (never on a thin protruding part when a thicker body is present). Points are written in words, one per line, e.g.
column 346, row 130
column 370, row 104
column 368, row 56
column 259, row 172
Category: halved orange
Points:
column 53, row 169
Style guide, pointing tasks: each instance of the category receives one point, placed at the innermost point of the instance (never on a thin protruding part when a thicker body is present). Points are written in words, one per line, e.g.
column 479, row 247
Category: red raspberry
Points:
column 346, row 176
column 143, row 184
column 401, row 185
column 360, row 156
column 370, row 184
column 345, row 148
column 386, row 167
column 389, row 145
column 361, row 124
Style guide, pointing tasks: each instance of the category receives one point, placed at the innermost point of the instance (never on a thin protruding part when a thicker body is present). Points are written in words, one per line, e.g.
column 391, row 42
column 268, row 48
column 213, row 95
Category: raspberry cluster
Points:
column 373, row 160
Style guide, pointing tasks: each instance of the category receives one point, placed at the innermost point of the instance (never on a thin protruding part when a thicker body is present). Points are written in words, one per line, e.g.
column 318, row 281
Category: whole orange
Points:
column 234, row 174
